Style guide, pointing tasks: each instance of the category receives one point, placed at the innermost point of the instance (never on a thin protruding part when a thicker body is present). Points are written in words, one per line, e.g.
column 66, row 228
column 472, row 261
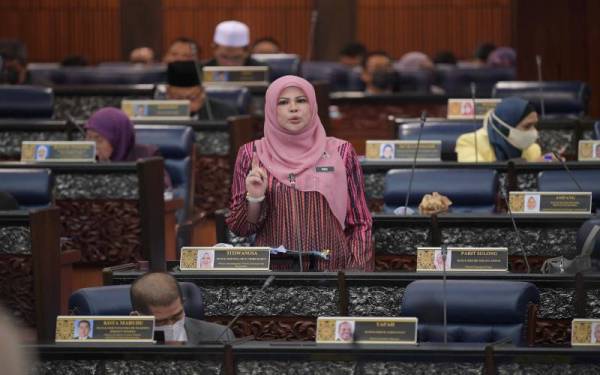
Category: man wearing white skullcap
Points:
column 230, row 47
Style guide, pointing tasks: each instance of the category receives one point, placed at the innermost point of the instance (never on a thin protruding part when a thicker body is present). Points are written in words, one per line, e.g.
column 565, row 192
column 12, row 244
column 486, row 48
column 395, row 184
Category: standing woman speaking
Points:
column 298, row 188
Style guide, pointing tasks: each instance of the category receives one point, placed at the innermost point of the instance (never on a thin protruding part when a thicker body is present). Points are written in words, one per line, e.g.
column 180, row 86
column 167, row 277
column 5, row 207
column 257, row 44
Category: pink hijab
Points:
column 310, row 155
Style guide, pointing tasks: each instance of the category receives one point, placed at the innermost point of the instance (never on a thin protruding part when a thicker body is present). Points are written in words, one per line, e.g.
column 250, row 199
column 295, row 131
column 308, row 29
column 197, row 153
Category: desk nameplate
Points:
column 366, row 330
column 156, row 109
column 588, row 150
column 548, row 202
column 585, row 332
column 58, row 151
column 235, row 75
column 463, row 259
column 104, row 329
column 225, row 258
column 462, row 109
column 403, row 150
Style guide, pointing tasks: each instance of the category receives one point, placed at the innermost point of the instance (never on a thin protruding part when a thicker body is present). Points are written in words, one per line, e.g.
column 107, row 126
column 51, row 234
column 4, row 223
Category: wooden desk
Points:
column 171, row 207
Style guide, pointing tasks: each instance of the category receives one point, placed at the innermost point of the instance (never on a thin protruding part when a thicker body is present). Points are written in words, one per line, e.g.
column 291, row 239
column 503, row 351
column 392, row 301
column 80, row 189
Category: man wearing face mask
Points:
column 508, row 132
column 377, row 74
column 158, row 294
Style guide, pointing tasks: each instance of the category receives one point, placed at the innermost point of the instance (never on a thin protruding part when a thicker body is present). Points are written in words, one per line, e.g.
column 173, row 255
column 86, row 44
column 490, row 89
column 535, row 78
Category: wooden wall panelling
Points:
column 400, row 26
column 287, row 21
column 54, row 29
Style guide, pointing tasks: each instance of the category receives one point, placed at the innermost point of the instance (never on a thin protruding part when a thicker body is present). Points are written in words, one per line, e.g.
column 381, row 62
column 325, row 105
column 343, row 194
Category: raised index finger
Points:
column 254, row 161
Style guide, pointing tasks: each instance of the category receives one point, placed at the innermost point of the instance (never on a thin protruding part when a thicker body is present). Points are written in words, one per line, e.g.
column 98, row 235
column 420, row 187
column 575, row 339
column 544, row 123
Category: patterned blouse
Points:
column 297, row 219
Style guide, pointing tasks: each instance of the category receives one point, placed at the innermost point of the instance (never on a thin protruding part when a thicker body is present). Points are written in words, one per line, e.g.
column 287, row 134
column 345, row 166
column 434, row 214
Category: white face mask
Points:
column 520, row 139
column 174, row 332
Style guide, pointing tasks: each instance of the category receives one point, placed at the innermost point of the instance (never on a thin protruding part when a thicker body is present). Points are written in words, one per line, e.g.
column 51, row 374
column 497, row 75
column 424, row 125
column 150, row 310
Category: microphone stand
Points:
column 267, row 282
column 538, row 60
column 473, row 90
column 414, row 165
column 444, row 296
column 520, row 242
column 567, row 170
column 292, row 179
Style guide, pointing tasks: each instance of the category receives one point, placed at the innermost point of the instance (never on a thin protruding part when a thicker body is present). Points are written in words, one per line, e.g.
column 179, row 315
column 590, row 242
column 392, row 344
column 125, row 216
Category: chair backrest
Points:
column 237, row 97
column 559, row 180
column 32, row 188
column 597, row 130
column 470, row 190
column 477, row 310
column 560, row 97
column 116, row 300
column 446, row 131
column 418, row 81
column 107, row 75
column 26, row 102
column 280, row 64
column 176, row 144
column 588, row 232
column 457, row 82
column 339, row 77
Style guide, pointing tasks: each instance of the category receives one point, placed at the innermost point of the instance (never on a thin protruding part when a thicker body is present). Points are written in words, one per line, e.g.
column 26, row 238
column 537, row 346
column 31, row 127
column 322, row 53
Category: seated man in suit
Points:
column 158, row 294
column 183, row 83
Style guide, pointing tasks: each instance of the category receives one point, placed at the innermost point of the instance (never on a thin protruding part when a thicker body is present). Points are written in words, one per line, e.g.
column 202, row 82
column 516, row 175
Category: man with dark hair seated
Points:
column 182, row 49
column 353, row 55
column 183, row 83
column 159, row 294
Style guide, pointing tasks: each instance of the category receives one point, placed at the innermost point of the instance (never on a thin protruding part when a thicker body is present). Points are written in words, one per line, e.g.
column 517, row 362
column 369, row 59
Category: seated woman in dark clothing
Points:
column 114, row 135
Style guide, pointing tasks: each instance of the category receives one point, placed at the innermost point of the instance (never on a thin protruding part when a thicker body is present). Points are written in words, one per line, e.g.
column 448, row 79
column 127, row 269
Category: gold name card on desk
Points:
column 461, row 259
column 403, row 150
column 588, row 150
column 585, row 332
column 366, row 330
column 225, row 258
column 58, row 151
column 465, row 109
column 235, row 75
column 104, row 328
column 548, row 202
column 156, row 109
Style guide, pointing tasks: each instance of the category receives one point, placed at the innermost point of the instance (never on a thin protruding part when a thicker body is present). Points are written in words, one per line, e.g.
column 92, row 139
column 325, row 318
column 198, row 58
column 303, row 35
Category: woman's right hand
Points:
column 256, row 181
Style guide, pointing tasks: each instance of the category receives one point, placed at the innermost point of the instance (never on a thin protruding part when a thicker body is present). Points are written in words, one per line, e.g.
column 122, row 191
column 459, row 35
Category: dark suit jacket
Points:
column 199, row 331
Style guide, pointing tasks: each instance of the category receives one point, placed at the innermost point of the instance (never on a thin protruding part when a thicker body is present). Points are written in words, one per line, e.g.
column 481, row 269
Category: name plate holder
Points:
column 58, row 151
column 588, row 150
column 156, row 109
column 585, row 332
column 395, row 150
column 463, row 259
column 550, row 202
column 366, row 330
column 465, row 109
column 235, row 75
column 225, row 259
column 82, row 329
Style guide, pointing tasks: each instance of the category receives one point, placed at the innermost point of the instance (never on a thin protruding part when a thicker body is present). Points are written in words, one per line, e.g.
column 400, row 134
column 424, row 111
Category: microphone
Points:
column 292, row 179
column 267, row 282
column 444, row 296
column 567, row 170
column 473, row 90
column 194, row 49
column 414, row 165
column 538, row 60
column 518, row 234
column 71, row 122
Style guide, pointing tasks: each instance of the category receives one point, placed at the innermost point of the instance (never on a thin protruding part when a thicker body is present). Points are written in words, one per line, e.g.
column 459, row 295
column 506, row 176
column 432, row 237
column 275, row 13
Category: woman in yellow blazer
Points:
column 508, row 132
